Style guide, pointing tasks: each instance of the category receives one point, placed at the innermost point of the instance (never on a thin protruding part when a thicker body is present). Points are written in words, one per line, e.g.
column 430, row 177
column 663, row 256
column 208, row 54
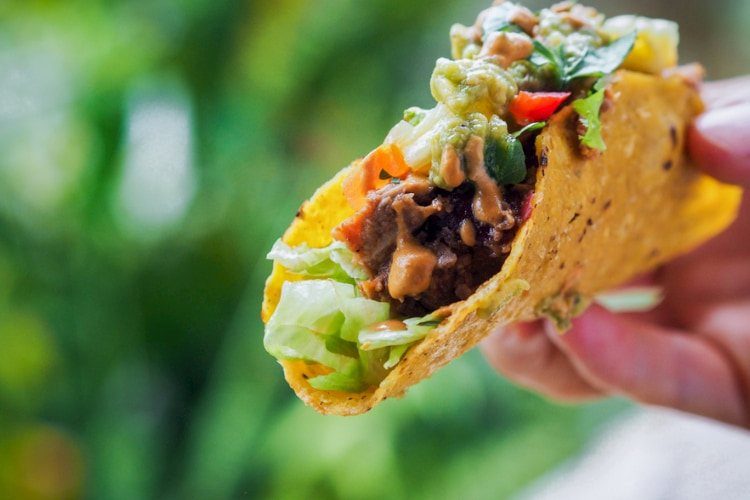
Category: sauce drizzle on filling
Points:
column 411, row 264
column 468, row 233
column 425, row 247
column 450, row 167
column 488, row 205
column 394, row 325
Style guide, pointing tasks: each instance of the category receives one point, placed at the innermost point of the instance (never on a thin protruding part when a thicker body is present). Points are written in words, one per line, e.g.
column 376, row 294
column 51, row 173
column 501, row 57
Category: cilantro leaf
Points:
column 588, row 109
column 542, row 56
column 604, row 60
column 529, row 128
column 594, row 62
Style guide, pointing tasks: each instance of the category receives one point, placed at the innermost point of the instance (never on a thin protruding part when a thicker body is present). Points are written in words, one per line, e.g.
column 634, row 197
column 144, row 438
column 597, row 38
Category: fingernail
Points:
column 727, row 128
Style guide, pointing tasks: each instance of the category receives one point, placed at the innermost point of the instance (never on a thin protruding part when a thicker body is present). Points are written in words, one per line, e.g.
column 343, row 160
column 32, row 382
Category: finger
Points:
column 728, row 325
column 523, row 354
column 714, row 279
column 725, row 93
column 622, row 355
column 731, row 319
column 719, row 142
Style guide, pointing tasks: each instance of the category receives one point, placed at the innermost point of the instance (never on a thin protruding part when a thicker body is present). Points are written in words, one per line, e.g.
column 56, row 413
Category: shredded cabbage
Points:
column 325, row 320
column 333, row 261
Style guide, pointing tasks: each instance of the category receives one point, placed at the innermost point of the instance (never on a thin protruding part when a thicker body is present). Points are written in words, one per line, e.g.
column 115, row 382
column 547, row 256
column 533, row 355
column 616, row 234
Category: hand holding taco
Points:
column 692, row 349
column 552, row 167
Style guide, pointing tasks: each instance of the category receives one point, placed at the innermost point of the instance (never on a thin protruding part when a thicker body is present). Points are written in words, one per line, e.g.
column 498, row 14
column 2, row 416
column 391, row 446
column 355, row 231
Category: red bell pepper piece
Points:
column 530, row 107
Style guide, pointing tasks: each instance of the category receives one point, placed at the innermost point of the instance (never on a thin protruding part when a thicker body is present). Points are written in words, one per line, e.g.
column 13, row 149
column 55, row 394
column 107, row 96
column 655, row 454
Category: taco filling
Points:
column 435, row 209
column 424, row 247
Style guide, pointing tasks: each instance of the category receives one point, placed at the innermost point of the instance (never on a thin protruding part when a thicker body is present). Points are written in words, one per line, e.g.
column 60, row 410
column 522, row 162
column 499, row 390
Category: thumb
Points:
column 719, row 140
column 622, row 355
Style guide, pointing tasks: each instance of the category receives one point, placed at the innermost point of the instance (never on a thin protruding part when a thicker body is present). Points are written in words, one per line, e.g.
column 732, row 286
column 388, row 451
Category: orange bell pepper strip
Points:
column 366, row 175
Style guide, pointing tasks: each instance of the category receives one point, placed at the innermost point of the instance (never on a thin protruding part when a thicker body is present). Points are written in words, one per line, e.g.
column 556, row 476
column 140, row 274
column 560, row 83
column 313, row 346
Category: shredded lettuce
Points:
column 631, row 299
column 361, row 313
column 333, row 261
column 307, row 313
column 324, row 319
column 529, row 128
column 397, row 352
column 415, row 329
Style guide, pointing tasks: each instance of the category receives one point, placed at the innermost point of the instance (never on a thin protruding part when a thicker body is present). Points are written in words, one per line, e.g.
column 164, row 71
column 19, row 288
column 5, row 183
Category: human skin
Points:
column 692, row 352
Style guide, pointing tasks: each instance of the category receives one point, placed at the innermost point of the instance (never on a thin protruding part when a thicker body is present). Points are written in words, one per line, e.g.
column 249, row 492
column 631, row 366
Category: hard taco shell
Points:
column 596, row 222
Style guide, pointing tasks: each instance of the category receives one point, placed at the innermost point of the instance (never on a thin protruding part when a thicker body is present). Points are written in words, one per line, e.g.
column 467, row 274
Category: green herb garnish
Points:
column 589, row 109
column 505, row 160
column 529, row 128
column 594, row 61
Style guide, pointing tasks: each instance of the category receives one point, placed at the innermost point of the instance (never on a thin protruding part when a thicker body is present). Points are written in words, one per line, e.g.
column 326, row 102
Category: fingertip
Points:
column 719, row 143
column 523, row 354
column 509, row 342
column 651, row 364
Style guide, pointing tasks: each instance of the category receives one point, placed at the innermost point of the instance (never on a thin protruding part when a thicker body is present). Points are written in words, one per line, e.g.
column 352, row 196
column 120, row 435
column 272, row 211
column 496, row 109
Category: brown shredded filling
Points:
column 424, row 247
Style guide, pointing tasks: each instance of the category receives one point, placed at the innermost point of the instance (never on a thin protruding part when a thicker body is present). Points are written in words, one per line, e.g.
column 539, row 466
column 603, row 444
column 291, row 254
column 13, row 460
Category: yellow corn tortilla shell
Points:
column 596, row 222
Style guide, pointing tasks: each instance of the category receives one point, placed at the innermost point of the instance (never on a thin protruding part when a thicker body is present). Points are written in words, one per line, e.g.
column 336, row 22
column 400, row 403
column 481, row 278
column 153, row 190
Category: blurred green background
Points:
column 150, row 153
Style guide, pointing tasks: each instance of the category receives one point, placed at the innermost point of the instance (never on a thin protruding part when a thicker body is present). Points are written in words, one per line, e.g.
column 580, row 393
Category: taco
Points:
column 552, row 168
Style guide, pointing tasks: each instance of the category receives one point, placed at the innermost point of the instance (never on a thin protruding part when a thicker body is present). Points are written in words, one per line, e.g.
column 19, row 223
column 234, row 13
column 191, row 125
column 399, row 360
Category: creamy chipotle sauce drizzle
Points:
column 450, row 167
column 487, row 206
column 387, row 325
column 401, row 266
column 468, row 233
column 411, row 264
